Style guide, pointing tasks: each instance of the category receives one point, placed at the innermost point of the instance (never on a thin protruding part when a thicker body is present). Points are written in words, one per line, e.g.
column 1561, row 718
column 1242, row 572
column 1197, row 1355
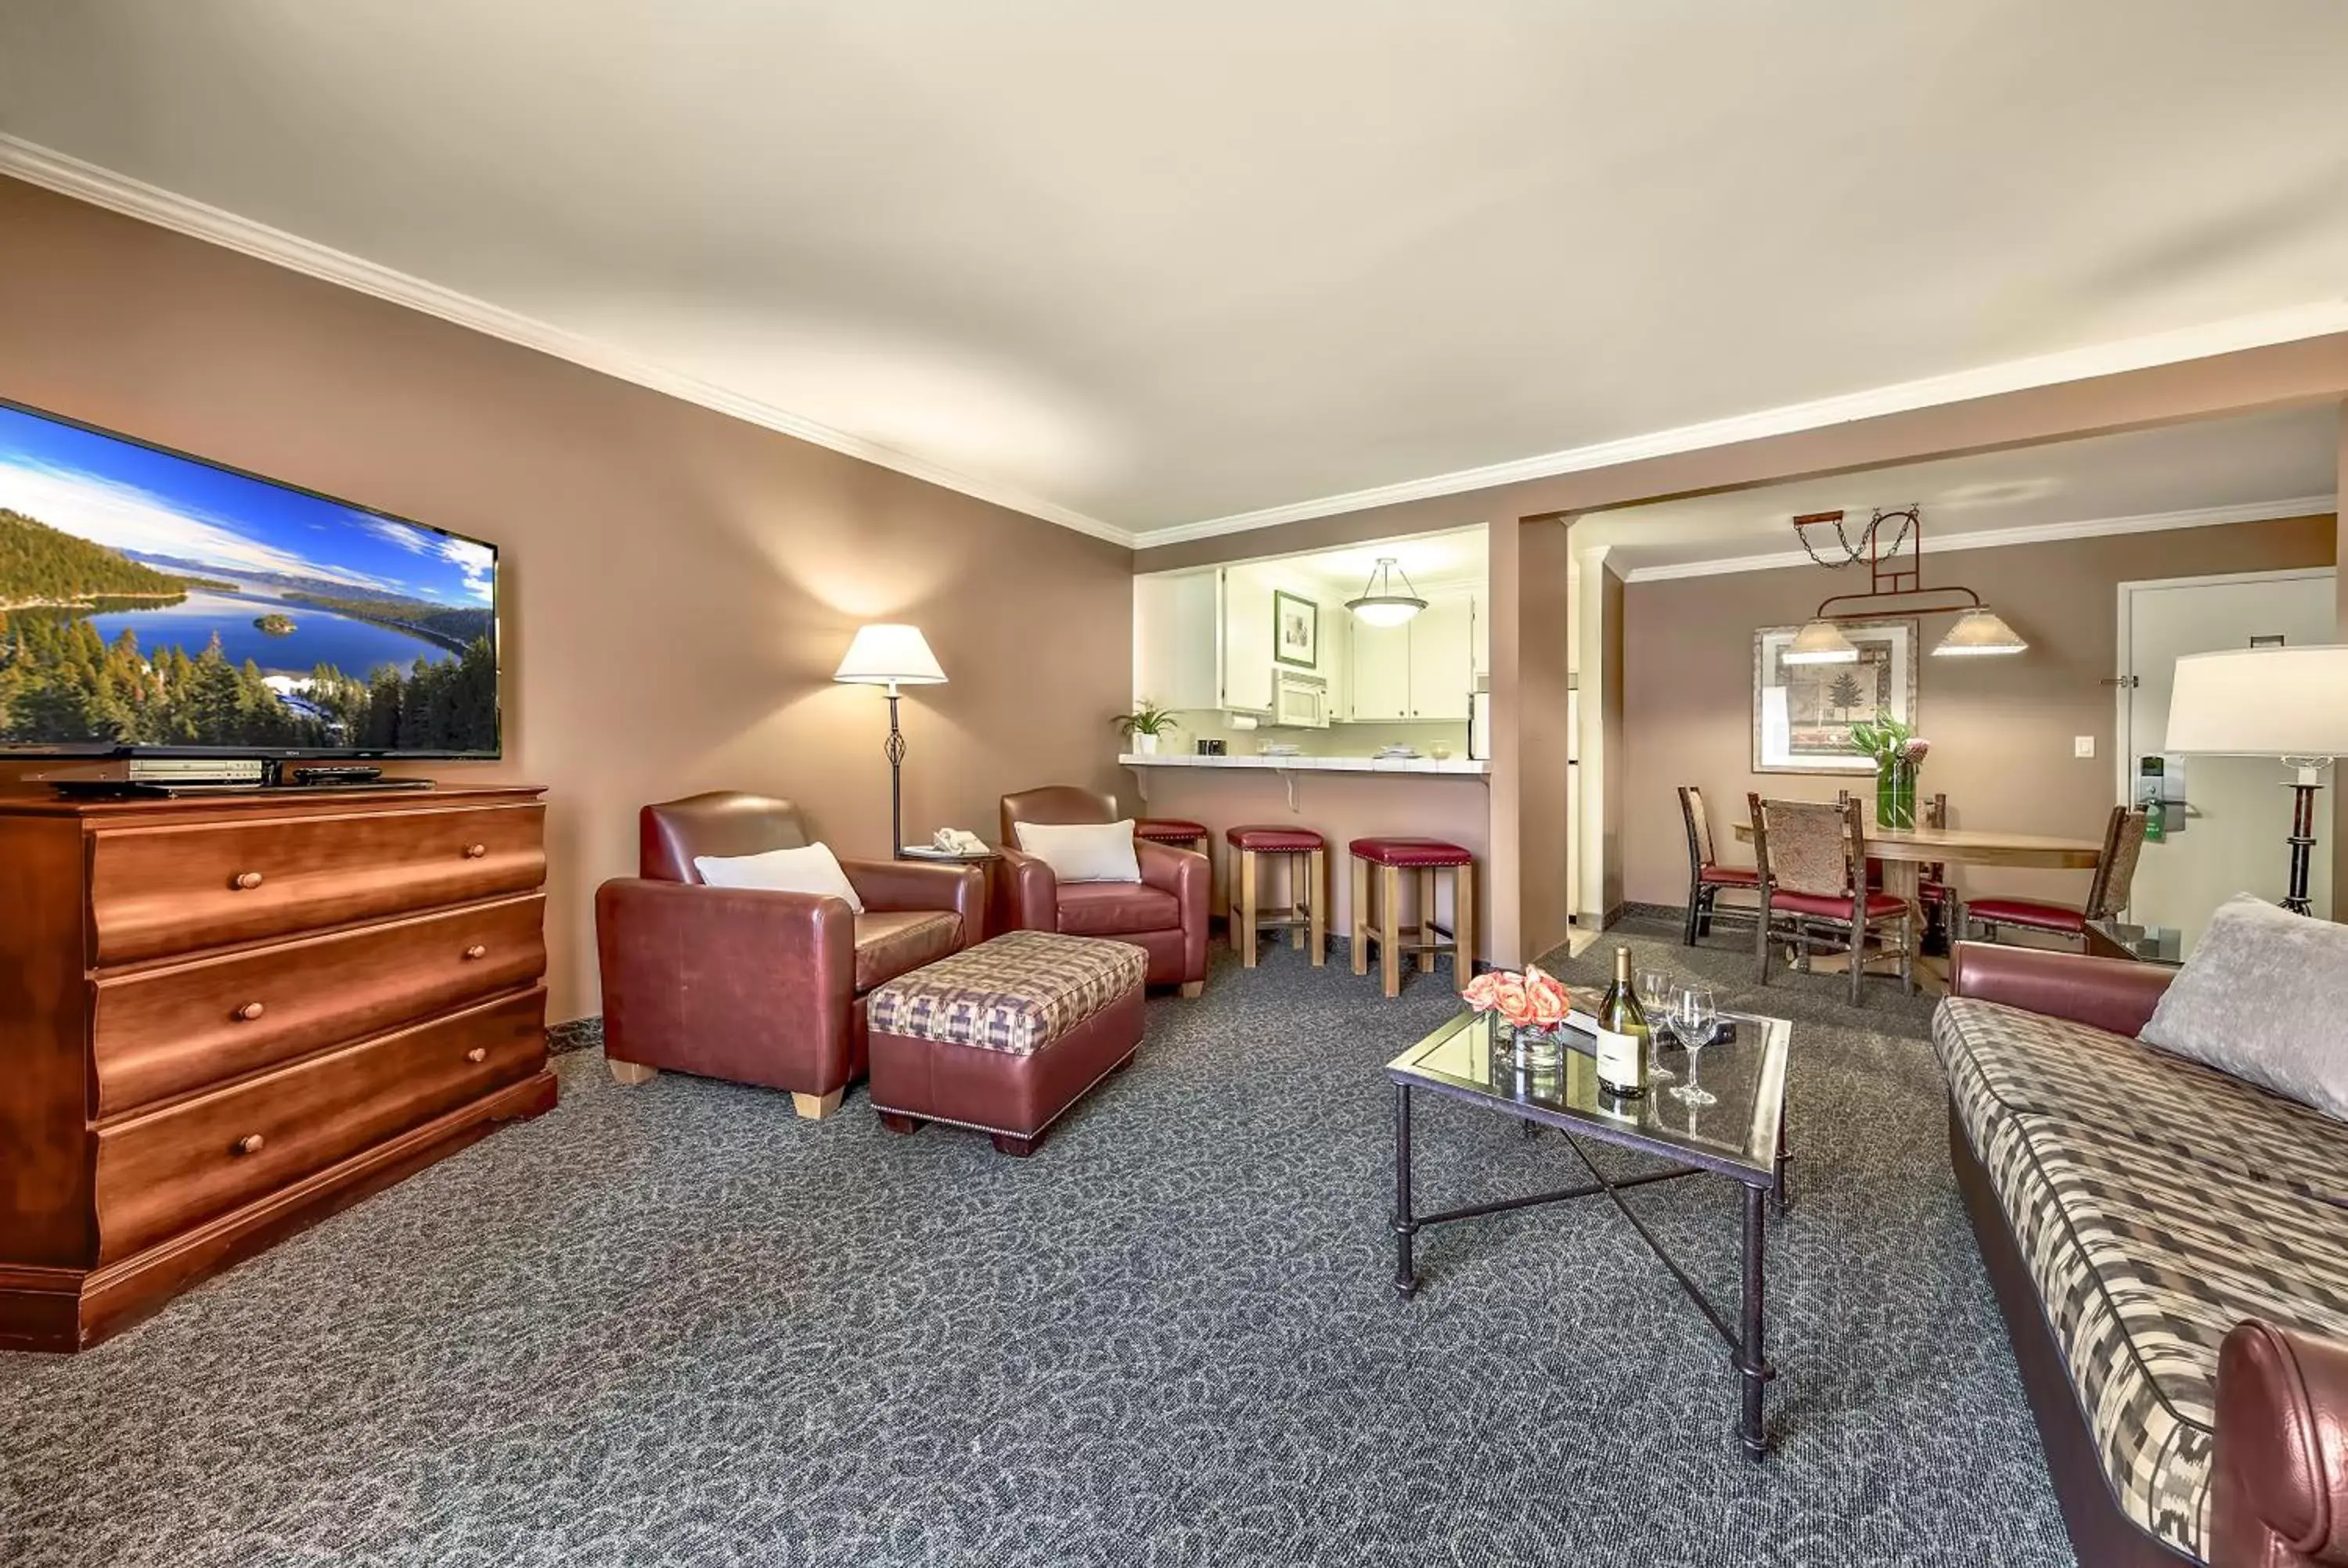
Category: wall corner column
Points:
column 1530, row 637
column 2339, row 780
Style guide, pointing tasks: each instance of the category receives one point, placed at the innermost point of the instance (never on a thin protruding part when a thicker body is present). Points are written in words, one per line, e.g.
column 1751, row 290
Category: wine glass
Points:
column 1655, row 996
column 1693, row 1012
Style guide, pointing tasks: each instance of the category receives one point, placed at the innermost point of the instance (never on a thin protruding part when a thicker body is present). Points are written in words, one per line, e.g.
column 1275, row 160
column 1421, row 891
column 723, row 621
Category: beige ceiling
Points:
column 1158, row 264
column 2264, row 465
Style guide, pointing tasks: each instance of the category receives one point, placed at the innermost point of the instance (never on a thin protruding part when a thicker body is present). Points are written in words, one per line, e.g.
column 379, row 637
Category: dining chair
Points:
column 1706, row 876
column 2107, row 895
column 1811, row 860
column 1934, row 892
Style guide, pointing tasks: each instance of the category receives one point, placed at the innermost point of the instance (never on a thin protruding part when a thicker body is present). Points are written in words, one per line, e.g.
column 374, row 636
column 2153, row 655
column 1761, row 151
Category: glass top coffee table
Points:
column 1741, row 1136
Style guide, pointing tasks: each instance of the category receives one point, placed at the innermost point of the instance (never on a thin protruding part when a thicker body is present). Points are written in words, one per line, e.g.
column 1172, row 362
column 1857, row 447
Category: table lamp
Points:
column 2286, row 702
column 892, row 656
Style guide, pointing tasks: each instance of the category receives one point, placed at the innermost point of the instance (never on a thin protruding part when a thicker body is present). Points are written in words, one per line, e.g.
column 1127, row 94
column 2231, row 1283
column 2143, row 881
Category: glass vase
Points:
column 1895, row 795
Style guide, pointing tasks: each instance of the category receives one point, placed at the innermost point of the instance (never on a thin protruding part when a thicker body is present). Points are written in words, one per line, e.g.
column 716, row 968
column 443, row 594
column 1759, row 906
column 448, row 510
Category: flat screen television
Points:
column 153, row 603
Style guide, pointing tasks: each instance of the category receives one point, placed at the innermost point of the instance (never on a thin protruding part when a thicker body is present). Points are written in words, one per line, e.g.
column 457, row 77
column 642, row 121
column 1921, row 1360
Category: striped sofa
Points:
column 2136, row 1210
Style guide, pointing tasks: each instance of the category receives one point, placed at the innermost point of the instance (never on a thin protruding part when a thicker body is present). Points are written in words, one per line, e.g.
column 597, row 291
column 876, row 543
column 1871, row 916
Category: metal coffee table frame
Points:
column 1763, row 1184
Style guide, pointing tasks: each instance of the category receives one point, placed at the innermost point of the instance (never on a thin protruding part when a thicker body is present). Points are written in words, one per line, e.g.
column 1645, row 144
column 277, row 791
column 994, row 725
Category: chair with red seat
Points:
column 1706, row 876
column 2107, row 895
column 1812, row 861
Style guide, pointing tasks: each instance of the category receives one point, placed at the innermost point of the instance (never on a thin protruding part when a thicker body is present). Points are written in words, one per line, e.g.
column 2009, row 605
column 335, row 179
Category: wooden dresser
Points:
column 223, row 1018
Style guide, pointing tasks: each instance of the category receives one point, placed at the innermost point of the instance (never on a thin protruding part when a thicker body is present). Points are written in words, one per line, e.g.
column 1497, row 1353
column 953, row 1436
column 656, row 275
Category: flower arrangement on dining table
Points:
column 1898, row 753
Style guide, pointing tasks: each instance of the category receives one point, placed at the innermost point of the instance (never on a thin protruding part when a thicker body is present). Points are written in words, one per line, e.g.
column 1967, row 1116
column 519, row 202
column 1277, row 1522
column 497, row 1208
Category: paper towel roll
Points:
column 1241, row 722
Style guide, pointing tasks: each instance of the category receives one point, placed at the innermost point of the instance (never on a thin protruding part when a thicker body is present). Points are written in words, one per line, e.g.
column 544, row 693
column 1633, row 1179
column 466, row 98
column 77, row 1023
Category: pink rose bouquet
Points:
column 1529, row 1000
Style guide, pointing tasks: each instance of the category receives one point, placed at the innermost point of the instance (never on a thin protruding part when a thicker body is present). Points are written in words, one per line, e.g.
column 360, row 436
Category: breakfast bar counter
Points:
column 1462, row 767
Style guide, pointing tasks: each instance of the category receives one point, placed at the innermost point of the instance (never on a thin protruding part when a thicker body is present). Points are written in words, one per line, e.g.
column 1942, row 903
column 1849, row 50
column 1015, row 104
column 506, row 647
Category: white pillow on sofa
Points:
column 811, row 869
column 1083, row 851
column 2264, row 998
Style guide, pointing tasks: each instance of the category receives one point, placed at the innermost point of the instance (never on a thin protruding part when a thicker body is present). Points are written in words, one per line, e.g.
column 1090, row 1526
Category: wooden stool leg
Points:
column 1317, row 874
column 1247, row 908
column 1360, row 917
column 1390, row 930
column 1296, row 896
column 1463, row 925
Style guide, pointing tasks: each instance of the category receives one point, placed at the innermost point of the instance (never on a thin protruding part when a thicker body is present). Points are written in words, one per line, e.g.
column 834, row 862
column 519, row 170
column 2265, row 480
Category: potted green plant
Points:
column 1898, row 753
column 1144, row 725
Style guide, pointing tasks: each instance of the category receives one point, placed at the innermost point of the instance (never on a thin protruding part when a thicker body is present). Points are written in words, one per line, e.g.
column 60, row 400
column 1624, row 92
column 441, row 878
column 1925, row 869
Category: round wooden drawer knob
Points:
column 474, row 851
column 246, row 881
column 477, row 951
column 250, row 1011
column 250, row 1144
column 476, row 1054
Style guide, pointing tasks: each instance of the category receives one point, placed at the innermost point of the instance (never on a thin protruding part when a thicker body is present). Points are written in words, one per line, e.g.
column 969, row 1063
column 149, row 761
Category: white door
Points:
column 2237, row 813
column 1442, row 656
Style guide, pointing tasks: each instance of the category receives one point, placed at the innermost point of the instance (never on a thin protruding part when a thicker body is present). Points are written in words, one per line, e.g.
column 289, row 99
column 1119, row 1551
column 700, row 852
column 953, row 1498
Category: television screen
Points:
column 153, row 602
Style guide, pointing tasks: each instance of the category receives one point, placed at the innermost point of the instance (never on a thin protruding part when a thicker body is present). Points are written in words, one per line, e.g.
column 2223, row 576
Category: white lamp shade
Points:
column 1820, row 642
column 887, row 655
column 2261, row 703
column 1980, row 633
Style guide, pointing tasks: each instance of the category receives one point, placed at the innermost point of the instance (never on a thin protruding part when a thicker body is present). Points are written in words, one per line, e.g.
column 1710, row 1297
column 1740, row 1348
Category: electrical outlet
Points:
column 2083, row 745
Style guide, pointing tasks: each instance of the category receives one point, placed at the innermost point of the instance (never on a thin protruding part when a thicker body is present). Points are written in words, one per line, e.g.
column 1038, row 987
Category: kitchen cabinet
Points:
column 1442, row 656
column 1246, row 639
column 1481, row 642
column 1378, row 687
column 1178, row 640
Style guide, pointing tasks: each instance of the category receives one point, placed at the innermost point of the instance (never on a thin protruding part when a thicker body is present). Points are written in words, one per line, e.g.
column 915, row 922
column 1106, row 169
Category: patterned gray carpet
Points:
column 676, row 1326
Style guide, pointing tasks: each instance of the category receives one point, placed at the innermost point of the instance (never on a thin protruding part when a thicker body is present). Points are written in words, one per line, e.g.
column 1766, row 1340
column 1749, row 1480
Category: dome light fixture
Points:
column 1820, row 642
column 1379, row 604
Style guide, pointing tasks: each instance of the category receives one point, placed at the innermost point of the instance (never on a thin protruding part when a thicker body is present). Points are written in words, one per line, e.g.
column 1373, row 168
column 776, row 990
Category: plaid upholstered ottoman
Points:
column 1006, row 1036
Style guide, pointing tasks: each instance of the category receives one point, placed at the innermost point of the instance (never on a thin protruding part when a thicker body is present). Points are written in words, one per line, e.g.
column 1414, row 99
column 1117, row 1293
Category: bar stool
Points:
column 1174, row 830
column 1305, row 916
column 1423, row 857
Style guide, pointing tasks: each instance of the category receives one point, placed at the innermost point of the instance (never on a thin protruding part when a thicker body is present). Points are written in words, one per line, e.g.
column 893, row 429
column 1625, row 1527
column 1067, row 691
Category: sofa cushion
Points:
column 2264, row 998
column 2003, row 1058
column 2142, row 1269
column 1117, row 908
column 1016, row 993
column 888, row 945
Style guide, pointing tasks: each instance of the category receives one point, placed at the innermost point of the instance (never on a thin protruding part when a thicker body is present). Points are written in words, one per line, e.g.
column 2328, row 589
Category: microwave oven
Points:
column 1300, row 701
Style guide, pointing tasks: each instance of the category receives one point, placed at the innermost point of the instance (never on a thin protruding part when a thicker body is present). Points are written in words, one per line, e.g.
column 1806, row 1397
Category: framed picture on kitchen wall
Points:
column 1296, row 629
column 1802, row 714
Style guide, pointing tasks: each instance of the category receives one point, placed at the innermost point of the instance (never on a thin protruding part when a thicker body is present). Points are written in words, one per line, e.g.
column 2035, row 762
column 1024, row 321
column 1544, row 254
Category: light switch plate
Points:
column 2083, row 745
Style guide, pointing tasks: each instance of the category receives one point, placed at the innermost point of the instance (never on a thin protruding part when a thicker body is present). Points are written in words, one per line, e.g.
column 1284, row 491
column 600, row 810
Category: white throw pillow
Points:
column 2262, row 998
column 1085, row 851
column 812, row 869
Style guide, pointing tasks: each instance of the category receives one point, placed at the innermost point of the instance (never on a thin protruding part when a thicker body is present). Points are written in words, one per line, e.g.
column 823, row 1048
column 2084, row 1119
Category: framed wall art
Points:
column 1802, row 714
column 1296, row 629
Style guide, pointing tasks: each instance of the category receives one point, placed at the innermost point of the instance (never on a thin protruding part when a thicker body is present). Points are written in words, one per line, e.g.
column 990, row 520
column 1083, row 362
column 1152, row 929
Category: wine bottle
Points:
column 1621, row 1035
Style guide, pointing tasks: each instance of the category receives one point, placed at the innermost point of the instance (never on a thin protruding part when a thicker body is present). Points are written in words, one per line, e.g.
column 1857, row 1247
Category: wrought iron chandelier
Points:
column 1892, row 545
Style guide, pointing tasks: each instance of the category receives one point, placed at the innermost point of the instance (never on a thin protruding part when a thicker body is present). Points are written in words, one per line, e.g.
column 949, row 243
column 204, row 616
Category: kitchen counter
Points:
column 1461, row 767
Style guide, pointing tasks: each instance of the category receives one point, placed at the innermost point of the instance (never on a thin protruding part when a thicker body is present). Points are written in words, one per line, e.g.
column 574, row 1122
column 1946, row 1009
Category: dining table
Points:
column 1905, row 852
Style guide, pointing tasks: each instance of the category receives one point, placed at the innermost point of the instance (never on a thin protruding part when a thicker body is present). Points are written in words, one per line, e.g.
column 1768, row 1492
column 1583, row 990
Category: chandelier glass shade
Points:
column 1380, row 603
column 1820, row 642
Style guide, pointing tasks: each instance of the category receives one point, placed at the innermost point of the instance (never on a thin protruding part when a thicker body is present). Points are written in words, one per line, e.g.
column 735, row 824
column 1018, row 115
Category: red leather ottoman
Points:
column 1006, row 1036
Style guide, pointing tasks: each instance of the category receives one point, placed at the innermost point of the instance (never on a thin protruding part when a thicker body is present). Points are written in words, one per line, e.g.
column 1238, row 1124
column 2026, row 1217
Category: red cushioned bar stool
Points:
column 1173, row 830
column 1305, row 916
column 1424, row 858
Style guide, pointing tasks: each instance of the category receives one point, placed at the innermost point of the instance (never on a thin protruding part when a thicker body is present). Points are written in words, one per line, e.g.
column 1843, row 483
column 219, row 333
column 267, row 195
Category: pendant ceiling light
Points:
column 1892, row 545
column 1380, row 603
column 1820, row 642
column 1979, row 631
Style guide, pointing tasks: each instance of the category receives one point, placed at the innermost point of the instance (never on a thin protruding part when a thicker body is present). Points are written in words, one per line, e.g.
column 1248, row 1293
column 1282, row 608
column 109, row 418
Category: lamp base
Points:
column 2302, row 840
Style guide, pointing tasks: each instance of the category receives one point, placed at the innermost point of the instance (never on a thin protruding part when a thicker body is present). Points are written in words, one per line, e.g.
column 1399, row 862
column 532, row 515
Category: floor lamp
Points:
column 892, row 656
column 2282, row 702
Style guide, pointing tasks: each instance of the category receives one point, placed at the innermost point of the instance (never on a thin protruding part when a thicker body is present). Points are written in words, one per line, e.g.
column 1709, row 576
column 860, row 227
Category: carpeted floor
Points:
column 676, row 1326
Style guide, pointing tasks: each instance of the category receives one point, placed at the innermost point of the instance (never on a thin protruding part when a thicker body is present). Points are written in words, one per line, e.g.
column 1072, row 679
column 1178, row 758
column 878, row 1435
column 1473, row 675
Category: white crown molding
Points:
column 2319, row 318
column 100, row 187
column 1991, row 538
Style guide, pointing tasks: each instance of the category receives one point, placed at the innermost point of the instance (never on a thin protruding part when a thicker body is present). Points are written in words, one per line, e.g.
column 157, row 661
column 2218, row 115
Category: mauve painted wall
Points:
column 2001, row 729
column 678, row 585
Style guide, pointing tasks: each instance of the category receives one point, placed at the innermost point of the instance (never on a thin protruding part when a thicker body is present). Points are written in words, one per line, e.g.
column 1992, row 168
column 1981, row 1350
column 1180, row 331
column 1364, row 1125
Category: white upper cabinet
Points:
column 1379, row 686
column 1482, row 641
column 1178, row 640
column 1246, row 639
column 1442, row 656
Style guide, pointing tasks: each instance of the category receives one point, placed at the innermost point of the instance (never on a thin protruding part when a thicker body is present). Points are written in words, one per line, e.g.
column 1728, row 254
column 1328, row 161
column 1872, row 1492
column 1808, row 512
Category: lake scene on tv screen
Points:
column 149, row 599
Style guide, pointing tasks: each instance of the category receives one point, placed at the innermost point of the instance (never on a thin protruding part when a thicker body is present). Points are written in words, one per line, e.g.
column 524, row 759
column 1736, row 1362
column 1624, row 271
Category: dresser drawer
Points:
column 164, row 1172
column 156, row 1033
column 157, row 891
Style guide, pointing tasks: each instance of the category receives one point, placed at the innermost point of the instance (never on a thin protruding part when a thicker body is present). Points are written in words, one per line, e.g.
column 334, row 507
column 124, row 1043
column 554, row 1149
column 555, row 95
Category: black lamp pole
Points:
column 895, row 749
column 2302, row 840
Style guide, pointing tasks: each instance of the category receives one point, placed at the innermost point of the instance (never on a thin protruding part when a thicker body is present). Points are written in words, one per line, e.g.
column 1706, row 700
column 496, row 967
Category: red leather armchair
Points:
column 760, row 986
column 1164, row 915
